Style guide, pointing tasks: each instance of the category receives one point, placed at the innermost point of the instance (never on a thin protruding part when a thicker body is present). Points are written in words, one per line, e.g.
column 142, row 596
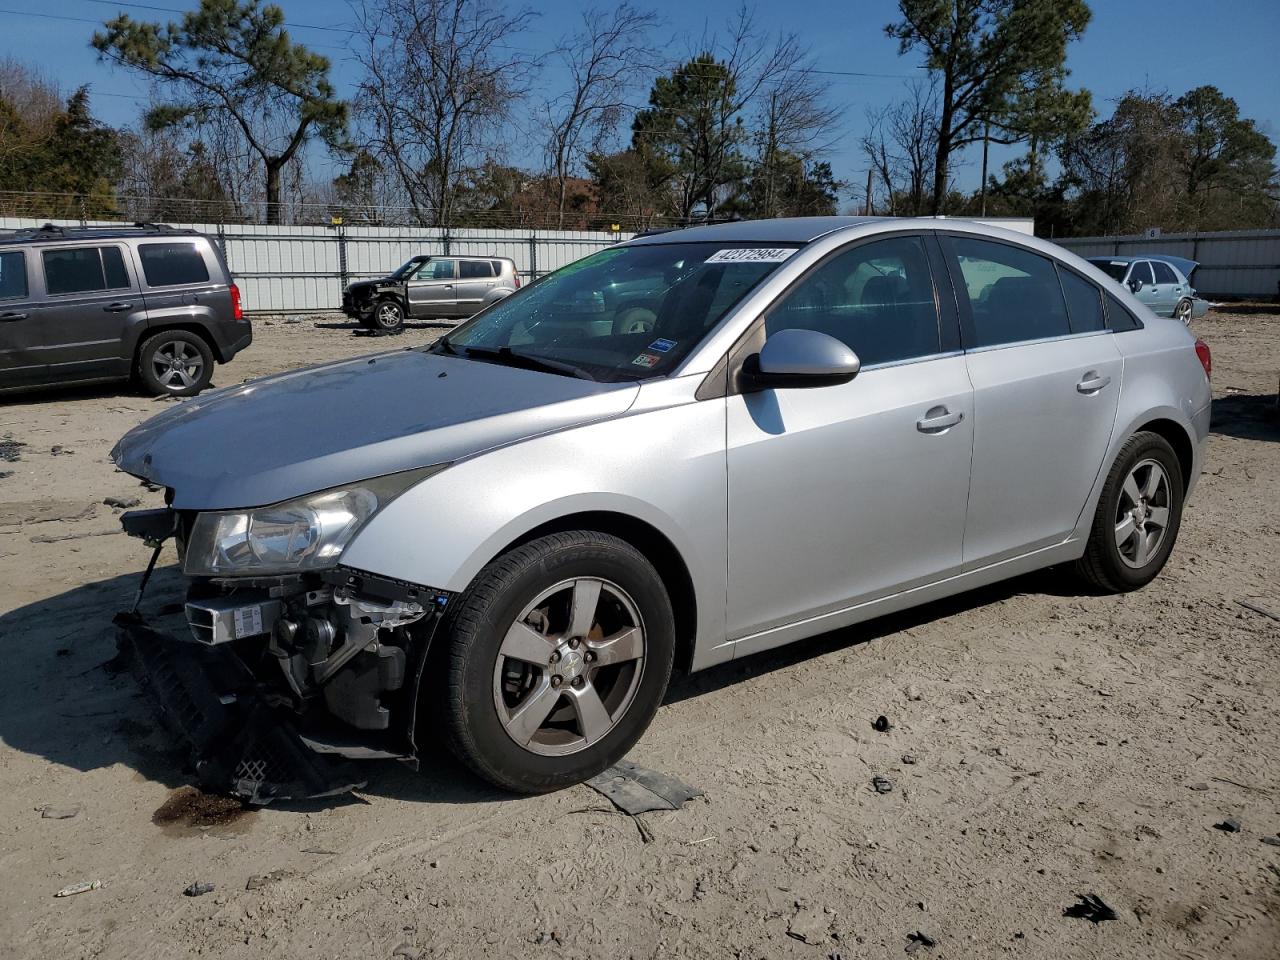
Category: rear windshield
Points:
column 625, row 313
column 1115, row 269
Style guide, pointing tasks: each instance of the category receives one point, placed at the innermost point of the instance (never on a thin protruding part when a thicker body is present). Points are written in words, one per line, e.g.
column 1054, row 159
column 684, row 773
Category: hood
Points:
column 280, row 437
column 387, row 281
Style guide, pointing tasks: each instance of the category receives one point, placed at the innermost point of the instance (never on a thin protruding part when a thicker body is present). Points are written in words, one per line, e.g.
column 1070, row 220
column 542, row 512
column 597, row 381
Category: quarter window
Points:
column 171, row 264
column 474, row 269
column 1014, row 294
column 13, row 275
column 84, row 270
column 1164, row 272
column 876, row 297
column 1119, row 317
column 1084, row 307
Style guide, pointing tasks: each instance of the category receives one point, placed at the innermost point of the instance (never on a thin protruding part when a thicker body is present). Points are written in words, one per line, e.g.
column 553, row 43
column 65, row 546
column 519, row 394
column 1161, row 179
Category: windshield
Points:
column 407, row 268
column 626, row 313
column 1115, row 269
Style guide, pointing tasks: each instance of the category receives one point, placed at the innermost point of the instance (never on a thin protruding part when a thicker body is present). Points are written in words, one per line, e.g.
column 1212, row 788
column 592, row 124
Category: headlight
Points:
column 308, row 533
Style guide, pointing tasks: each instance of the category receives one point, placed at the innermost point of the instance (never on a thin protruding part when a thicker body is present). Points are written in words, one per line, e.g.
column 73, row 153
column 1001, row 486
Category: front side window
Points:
column 625, row 313
column 474, row 269
column 1164, row 272
column 435, row 270
column 170, row 264
column 13, row 275
column 1014, row 294
column 84, row 270
column 877, row 298
column 1084, row 306
column 1142, row 271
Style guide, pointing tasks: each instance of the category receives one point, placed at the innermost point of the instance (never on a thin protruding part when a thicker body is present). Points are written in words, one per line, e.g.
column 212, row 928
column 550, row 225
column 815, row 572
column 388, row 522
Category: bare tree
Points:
column 440, row 79
column 900, row 143
column 603, row 61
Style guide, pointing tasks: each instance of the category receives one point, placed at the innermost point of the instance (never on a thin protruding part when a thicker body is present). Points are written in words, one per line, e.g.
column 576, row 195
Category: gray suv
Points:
column 83, row 304
column 430, row 288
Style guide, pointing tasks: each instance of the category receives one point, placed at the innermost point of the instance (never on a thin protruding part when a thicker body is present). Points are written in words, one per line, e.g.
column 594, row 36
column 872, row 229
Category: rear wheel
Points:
column 388, row 315
column 175, row 363
column 1183, row 311
column 1138, row 516
column 560, row 652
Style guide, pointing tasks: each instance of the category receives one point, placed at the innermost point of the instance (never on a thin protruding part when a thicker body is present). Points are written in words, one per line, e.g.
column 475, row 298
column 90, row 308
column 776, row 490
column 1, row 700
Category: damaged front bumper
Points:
column 276, row 682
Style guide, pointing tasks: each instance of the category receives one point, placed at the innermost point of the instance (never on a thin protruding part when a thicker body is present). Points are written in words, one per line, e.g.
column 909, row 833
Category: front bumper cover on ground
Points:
column 240, row 743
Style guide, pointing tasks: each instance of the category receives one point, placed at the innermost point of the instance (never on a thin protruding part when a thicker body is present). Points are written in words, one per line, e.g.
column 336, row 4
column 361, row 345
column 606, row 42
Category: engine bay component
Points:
column 223, row 619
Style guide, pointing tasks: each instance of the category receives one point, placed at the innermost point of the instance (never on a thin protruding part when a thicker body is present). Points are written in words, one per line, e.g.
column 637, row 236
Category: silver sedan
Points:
column 678, row 451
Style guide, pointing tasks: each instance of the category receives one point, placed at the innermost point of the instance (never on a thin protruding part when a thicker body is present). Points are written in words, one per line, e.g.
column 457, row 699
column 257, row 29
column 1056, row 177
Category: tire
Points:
column 387, row 315
column 1183, row 312
column 1122, row 554
column 175, row 363
column 523, row 603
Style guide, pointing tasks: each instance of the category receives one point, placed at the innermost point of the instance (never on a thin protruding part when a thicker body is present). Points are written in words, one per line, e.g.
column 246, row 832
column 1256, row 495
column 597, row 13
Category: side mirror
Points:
column 1135, row 285
column 800, row 358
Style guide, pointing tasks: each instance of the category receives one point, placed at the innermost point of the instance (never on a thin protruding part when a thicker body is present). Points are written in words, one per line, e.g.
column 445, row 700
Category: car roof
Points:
column 779, row 230
column 1181, row 264
column 51, row 233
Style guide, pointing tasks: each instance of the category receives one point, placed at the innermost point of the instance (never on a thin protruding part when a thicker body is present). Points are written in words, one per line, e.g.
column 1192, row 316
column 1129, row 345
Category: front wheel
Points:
column 1138, row 516
column 388, row 315
column 560, row 653
column 1183, row 312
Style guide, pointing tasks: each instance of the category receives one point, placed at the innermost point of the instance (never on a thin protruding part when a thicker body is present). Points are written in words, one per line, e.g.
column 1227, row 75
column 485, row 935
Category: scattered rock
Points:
column 920, row 941
column 10, row 450
column 909, row 759
column 882, row 784
column 55, row 811
column 1001, row 752
column 1272, row 841
column 60, row 451
column 881, row 724
column 912, row 692
column 1228, row 826
column 122, row 503
column 198, row 889
column 1198, row 786
column 5, row 474
column 1091, row 907
column 258, row 881
column 84, row 886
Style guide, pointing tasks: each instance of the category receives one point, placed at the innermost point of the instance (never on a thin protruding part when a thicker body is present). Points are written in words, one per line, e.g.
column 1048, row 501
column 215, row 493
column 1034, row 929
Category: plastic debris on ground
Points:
column 634, row 789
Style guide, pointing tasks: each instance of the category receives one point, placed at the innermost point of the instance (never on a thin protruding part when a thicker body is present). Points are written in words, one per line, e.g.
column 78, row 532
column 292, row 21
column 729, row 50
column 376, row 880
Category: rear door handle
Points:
column 1092, row 382
column 938, row 420
column 10, row 317
column 117, row 307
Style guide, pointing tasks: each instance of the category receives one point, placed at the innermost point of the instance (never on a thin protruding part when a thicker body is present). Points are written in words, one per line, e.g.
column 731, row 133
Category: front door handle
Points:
column 1092, row 382
column 938, row 420
column 12, row 316
column 118, row 306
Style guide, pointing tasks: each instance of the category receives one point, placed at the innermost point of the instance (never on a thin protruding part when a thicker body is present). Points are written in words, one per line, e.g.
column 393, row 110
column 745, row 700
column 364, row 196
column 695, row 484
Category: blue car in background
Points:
column 1159, row 281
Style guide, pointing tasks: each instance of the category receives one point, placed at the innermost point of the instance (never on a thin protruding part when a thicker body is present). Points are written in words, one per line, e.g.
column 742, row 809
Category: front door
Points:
column 91, row 300
column 1045, row 389
column 1140, row 273
column 844, row 493
column 22, row 361
column 432, row 291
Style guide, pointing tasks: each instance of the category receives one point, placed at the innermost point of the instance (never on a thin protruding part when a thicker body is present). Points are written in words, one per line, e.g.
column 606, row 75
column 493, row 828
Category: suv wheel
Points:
column 175, row 363
column 559, row 656
column 388, row 315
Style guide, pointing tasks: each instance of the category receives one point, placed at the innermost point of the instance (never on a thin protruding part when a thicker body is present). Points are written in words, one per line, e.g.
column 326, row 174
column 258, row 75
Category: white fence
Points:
column 1233, row 263
column 302, row 269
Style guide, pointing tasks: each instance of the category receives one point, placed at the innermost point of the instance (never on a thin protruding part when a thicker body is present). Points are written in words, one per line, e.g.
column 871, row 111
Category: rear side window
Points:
column 471, row 269
column 13, row 275
column 170, row 264
column 1164, row 273
column 1118, row 316
column 876, row 297
column 1014, row 294
column 1084, row 305
column 83, row 270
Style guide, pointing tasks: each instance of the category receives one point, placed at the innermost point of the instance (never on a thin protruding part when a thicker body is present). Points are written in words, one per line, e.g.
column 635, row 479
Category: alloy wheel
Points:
column 388, row 315
column 1184, row 312
column 177, row 364
column 569, row 666
column 1142, row 515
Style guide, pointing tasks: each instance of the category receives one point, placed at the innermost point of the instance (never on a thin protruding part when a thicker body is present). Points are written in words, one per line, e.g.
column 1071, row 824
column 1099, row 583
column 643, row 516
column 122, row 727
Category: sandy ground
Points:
column 1062, row 744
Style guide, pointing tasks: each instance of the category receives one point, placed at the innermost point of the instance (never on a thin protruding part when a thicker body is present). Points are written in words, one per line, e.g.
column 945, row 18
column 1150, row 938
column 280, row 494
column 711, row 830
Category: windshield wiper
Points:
column 506, row 355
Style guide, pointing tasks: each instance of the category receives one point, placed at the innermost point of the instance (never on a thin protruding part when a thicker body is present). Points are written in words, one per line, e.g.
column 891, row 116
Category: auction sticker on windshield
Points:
column 752, row 255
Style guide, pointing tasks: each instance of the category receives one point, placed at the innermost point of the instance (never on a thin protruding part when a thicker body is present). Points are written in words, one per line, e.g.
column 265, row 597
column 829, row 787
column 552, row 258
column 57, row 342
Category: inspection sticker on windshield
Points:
column 647, row 360
column 751, row 255
column 662, row 346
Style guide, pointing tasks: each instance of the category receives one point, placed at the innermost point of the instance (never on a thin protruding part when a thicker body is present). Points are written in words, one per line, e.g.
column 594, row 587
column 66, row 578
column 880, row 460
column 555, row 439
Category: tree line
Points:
column 448, row 125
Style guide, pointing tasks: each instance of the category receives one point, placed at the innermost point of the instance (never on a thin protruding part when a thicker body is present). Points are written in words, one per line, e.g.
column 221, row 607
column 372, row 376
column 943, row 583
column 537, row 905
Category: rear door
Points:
column 22, row 359
column 182, row 280
column 475, row 279
column 1045, row 390
column 92, row 303
column 432, row 289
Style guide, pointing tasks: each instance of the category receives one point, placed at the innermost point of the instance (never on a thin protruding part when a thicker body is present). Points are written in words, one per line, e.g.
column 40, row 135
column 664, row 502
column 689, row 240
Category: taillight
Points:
column 1206, row 360
column 517, row 281
column 237, row 311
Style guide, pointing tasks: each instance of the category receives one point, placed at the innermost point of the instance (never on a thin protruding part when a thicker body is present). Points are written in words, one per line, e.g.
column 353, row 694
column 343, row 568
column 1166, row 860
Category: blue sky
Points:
column 1173, row 45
